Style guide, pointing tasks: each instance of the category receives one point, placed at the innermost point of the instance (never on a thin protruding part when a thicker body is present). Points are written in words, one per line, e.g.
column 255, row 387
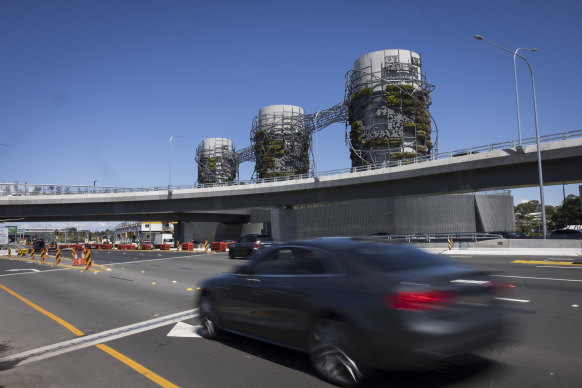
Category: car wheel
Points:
column 231, row 254
column 335, row 353
column 209, row 328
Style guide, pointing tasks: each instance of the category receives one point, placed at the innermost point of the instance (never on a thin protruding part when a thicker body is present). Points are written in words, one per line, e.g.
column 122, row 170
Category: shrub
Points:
column 421, row 134
column 409, row 110
column 409, row 125
column 421, row 148
column 395, row 141
column 360, row 93
column 395, row 155
column 410, row 155
column 408, row 102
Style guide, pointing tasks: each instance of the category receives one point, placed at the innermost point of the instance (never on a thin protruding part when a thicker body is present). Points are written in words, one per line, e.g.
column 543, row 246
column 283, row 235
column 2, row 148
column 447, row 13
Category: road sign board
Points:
column 3, row 235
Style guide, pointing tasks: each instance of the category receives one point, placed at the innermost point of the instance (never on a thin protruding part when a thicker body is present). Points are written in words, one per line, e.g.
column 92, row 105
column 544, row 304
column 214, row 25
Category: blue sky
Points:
column 92, row 90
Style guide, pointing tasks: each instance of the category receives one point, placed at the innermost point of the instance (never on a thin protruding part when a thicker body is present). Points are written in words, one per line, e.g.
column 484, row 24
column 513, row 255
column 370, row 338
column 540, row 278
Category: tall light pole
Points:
column 170, row 162
column 516, row 91
column 540, row 175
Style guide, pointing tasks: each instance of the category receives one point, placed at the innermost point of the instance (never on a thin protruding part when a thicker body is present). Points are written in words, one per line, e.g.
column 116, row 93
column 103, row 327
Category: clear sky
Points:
column 93, row 90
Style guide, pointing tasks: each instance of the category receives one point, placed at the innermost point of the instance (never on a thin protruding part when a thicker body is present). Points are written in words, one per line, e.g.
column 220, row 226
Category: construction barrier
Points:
column 218, row 246
column 206, row 246
column 21, row 253
column 32, row 254
column 9, row 252
column 187, row 246
column 58, row 255
column 165, row 247
column 131, row 247
column 83, row 258
column 43, row 254
column 450, row 241
column 178, row 245
column 88, row 258
column 146, row 247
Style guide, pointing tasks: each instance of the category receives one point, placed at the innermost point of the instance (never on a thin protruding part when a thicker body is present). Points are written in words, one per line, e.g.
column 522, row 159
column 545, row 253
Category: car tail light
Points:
column 418, row 301
column 256, row 245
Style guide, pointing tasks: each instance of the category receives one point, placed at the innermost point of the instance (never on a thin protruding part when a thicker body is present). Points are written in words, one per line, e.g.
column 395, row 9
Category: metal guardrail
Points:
column 436, row 237
column 19, row 189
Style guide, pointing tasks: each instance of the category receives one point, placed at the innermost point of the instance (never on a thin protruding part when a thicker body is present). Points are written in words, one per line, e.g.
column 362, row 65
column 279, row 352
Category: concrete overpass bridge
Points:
column 494, row 167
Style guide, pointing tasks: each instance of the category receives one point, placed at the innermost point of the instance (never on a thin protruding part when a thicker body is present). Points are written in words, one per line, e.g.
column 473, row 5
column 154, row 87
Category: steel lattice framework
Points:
column 313, row 122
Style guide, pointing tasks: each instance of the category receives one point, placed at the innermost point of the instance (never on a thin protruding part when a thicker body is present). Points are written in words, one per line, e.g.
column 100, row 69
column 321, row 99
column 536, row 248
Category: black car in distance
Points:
column 249, row 244
column 354, row 304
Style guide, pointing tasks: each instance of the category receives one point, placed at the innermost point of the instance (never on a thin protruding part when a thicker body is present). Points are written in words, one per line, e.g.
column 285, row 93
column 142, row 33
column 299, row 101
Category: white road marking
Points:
column 514, row 300
column 22, row 269
column 557, row 266
column 184, row 330
column 98, row 338
column 143, row 261
column 34, row 272
column 530, row 277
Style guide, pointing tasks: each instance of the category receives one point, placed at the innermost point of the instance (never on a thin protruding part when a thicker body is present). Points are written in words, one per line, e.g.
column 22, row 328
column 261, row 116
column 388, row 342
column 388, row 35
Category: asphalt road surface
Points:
column 129, row 322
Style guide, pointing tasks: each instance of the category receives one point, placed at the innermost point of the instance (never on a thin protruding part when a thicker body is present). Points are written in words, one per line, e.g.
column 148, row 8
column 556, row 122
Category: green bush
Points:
column 409, row 110
column 259, row 133
column 428, row 144
column 409, row 125
column 407, row 102
column 421, row 134
column 395, row 155
column 421, row 148
column 392, row 101
column 395, row 141
column 410, row 155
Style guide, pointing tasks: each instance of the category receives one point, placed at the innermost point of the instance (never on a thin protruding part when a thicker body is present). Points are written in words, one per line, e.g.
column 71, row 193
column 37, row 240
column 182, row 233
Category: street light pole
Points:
column 315, row 154
column 170, row 162
column 540, row 175
column 516, row 91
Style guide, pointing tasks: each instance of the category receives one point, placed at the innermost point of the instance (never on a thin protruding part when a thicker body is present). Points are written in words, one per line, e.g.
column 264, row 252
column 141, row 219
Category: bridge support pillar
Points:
column 284, row 224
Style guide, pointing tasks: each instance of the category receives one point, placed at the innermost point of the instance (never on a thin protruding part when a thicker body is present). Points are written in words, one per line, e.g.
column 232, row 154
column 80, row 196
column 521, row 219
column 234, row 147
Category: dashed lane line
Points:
column 535, row 278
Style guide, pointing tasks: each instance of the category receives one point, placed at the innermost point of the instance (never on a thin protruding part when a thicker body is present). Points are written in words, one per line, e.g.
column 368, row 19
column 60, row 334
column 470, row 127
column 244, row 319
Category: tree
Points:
column 569, row 213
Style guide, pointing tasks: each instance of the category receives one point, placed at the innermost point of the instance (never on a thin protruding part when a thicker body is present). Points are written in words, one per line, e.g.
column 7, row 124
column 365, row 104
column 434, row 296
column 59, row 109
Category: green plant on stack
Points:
column 395, row 155
column 429, row 144
column 409, row 125
column 395, row 141
column 410, row 155
column 421, row 148
column 421, row 134
column 377, row 141
column 212, row 164
column 356, row 132
column 360, row 93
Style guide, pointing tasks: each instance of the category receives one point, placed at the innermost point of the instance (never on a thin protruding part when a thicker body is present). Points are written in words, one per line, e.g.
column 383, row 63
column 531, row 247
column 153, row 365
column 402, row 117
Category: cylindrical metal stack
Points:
column 280, row 141
column 387, row 98
column 217, row 161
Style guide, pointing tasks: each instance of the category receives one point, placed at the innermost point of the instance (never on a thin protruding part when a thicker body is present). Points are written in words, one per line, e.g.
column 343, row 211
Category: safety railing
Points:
column 19, row 189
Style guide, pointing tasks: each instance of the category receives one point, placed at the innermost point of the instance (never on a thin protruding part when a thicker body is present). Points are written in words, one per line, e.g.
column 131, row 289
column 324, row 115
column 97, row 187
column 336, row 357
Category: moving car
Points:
column 355, row 304
column 248, row 244
column 570, row 234
column 38, row 244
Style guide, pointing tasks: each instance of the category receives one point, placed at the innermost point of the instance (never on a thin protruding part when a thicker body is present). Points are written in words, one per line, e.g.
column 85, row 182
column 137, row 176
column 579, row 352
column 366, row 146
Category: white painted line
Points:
column 514, row 300
column 98, row 338
column 529, row 277
column 557, row 266
column 143, row 261
column 34, row 273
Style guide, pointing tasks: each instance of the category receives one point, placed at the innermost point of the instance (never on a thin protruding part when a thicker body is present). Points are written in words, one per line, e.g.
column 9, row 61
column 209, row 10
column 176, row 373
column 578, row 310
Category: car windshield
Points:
column 386, row 257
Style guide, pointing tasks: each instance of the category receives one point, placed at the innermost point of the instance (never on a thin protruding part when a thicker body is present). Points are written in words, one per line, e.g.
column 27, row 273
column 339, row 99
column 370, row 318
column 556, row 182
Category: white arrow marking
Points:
column 26, row 269
column 184, row 330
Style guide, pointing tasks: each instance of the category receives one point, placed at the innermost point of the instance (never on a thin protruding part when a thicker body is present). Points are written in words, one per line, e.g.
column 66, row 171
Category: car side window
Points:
column 276, row 262
column 289, row 261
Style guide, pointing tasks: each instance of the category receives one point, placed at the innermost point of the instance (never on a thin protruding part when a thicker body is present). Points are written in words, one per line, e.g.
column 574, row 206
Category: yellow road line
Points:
column 544, row 262
column 40, row 309
column 124, row 359
column 139, row 368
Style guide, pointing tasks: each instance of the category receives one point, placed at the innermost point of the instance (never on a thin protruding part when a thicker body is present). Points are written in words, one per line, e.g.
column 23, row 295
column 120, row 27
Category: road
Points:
column 110, row 326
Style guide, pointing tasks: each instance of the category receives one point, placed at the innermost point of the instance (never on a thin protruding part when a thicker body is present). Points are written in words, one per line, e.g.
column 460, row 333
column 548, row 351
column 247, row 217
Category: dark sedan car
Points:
column 570, row 234
column 354, row 304
column 249, row 244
